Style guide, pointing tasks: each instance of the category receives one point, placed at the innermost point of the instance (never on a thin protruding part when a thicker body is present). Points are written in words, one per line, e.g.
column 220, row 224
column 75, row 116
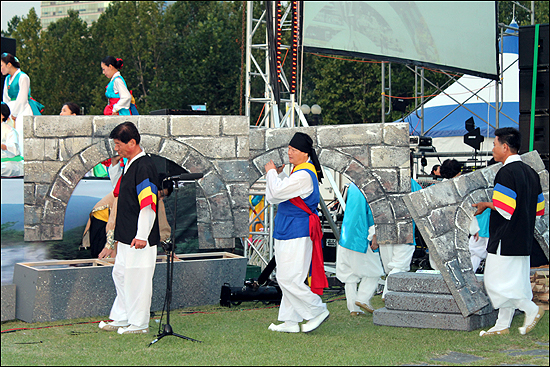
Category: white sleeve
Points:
column 124, row 94
column 504, row 213
column 474, row 226
column 372, row 232
column 146, row 220
column 12, row 143
column 282, row 188
column 114, row 173
column 23, row 96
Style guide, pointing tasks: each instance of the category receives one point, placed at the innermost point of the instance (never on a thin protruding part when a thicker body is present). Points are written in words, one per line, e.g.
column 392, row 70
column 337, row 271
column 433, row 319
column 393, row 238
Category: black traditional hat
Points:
column 304, row 143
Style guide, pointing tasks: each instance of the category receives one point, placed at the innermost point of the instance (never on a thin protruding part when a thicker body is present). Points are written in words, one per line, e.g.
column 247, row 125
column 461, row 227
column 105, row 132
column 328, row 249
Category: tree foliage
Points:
column 189, row 52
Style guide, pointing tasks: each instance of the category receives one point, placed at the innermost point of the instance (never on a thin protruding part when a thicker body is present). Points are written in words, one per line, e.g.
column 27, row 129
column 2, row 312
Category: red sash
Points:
column 318, row 276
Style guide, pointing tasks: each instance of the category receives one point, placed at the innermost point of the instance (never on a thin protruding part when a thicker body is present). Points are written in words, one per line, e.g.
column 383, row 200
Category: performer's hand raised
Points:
column 270, row 165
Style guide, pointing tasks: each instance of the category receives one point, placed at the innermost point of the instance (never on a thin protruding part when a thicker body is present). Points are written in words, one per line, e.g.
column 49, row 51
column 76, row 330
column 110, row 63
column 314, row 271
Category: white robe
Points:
column 20, row 107
column 293, row 257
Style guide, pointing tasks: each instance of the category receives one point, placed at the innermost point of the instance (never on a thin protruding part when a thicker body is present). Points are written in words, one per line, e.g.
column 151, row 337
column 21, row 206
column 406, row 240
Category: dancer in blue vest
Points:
column 358, row 257
column 17, row 94
column 296, row 245
column 120, row 98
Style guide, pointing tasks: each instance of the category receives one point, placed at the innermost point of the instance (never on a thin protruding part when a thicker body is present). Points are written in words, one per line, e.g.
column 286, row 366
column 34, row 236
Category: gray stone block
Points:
column 220, row 206
column 349, row 135
column 153, row 125
column 8, row 302
column 235, row 125
column 396, row 134
column 61, row 126
column 432, row 320
column 233, row 171
column 275, row 138
column 425, row 302
column 417, row 283
column 421, row 302
column 257, row 138
column 243, row 147
column 48, row 292
column 150, row 143
column 334, row 159
column 195, row 125
column 173, row 150
column 389, row 156
column 218, row 148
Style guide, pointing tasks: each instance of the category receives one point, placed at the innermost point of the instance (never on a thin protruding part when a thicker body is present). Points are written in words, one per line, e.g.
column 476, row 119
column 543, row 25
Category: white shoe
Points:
column 285, row 328
column 112, row 326
column 530, row 322
column 315, row 322
column 132, row 330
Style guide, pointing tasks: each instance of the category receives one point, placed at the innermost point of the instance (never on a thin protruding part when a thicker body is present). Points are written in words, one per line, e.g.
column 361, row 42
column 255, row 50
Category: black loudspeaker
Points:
column 526, row 50
column 400, row 104
column 525, row 90
column 541, row 137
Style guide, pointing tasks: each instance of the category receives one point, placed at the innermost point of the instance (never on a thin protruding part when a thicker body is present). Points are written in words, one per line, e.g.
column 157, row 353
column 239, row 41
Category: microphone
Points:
column 185, row 177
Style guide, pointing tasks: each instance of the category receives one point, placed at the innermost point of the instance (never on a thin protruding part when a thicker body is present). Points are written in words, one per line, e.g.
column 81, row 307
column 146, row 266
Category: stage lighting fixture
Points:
column 470, row 124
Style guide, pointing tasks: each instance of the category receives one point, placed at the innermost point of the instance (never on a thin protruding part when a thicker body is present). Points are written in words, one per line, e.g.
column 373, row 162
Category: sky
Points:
column 19, row 8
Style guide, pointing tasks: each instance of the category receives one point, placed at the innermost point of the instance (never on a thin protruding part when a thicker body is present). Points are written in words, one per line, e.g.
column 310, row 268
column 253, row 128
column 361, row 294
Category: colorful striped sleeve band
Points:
column 540, row 205
column 504, row 199
column 147, row 194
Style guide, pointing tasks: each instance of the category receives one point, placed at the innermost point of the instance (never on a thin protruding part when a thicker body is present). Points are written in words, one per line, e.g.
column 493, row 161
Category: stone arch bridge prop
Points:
column 230, row 155
column 443, row 213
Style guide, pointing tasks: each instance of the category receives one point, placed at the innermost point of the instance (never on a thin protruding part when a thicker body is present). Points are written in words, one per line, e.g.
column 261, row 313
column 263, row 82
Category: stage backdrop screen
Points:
column 457, row 36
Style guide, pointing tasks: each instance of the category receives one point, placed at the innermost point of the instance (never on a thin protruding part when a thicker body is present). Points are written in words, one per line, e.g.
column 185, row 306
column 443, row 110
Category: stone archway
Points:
column 216, row 146
column 60, row 150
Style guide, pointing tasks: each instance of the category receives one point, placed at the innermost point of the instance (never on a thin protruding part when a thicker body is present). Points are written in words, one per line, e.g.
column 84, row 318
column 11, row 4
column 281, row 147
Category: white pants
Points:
column 27, row 111
column 478, row 250
column 133, row 277
column 396, row 259
column 507, row 281
column 354, row 267
column 293, row 259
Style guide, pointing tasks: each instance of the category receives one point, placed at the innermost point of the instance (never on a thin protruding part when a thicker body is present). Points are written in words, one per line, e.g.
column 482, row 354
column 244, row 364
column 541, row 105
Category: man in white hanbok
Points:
column 295, row 249
column 517, row 200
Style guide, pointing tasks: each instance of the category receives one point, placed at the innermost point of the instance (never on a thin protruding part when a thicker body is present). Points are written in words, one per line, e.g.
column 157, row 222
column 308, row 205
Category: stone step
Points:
column 432, row 320
column 420, row 283
column 426, row 302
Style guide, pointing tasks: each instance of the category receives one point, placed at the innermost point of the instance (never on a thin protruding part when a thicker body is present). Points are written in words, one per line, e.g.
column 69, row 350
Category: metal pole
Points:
column 382, row 94
column 249, row 11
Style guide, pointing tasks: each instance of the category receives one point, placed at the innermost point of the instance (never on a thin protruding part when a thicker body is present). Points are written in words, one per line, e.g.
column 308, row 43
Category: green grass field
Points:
column 239, row 336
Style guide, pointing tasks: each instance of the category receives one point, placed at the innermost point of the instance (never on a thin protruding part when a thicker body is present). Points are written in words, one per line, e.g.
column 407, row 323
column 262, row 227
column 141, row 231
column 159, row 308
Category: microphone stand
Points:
column 169, row 248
